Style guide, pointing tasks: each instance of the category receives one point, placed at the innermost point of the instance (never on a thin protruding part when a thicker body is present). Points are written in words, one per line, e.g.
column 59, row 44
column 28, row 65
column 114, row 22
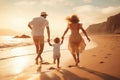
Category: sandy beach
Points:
column 98, row 63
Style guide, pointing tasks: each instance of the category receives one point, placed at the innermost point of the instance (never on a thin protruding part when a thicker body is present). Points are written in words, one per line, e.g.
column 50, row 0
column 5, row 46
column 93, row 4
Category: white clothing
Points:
column 56, row 50
column 38, row 25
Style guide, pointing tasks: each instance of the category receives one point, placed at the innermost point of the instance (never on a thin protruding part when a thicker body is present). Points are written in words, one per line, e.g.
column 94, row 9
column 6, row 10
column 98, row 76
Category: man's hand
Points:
column 48, row 40
column 88, row 39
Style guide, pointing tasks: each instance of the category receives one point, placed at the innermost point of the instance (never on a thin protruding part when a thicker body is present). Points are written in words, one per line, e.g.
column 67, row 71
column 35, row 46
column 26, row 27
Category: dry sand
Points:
column 99, row 63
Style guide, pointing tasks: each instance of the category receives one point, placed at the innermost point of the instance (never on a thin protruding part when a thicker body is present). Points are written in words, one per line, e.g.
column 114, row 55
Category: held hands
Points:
column 49, row 42
column 62, row 37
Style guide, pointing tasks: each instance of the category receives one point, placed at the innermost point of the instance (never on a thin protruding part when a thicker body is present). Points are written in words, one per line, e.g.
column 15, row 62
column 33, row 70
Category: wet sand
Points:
column 98, row 63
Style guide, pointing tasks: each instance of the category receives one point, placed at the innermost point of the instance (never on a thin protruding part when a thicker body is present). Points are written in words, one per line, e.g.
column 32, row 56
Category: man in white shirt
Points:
column 37, row 26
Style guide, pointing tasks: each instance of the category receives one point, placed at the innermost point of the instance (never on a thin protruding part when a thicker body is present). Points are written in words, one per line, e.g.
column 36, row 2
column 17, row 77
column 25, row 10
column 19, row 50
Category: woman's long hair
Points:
column 73, row 19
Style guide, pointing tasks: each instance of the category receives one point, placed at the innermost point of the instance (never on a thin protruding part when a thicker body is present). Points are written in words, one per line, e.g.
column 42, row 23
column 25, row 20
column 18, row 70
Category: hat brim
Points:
column 44, row 14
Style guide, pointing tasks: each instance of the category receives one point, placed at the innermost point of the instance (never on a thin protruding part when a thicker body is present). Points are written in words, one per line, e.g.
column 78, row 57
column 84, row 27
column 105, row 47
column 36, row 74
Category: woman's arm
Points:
column 61, row 41
column 85, row 33
column 65, row 32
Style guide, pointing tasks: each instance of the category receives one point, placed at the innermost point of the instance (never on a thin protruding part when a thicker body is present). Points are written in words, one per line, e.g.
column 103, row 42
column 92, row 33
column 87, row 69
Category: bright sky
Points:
column 15, row 14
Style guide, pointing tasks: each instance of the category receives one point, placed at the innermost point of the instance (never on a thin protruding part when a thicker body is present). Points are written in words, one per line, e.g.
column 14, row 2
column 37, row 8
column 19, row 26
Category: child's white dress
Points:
column 56, row 50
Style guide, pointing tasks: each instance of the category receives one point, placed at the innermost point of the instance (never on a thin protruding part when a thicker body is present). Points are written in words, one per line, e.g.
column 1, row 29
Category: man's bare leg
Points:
column 40, row 52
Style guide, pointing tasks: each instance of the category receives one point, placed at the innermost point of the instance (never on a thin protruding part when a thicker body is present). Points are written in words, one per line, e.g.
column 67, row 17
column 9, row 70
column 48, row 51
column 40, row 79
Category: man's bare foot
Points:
column 36, row 61
column 41, row 62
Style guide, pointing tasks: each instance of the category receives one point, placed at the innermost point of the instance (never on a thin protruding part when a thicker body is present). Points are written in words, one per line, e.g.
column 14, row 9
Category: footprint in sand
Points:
column 109, row 54
column 46, row 63
column 106, row 57
column 101, row 62
column 52, row 68
column 71, row 66
column 93, row 55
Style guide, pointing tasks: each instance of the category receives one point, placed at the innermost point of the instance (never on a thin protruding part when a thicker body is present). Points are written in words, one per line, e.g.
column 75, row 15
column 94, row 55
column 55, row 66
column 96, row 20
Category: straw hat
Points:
column 44, row 14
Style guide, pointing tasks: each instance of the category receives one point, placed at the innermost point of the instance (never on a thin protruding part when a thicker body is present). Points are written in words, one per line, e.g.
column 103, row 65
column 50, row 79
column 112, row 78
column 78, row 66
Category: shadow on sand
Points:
column 47, row 75
column 104, row 76
column 67, row 75
column 54, row 74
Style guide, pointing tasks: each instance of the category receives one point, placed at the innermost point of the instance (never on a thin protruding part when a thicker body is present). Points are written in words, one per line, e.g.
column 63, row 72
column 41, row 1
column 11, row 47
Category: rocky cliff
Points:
column 111, row 26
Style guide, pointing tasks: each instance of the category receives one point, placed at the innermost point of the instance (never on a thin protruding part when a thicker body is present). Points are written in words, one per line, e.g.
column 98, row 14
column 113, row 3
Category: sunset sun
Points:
column 18, row 22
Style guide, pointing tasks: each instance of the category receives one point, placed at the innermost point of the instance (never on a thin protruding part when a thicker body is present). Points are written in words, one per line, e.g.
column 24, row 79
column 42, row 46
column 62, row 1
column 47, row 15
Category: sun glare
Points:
column 18, row 21
column 21, row 61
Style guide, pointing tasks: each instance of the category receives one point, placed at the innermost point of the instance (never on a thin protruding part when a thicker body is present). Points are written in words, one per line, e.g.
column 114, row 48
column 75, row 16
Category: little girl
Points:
column 56, row 50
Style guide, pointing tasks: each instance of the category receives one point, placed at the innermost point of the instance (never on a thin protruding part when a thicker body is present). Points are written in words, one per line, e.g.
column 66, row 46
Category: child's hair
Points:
column 56, row 40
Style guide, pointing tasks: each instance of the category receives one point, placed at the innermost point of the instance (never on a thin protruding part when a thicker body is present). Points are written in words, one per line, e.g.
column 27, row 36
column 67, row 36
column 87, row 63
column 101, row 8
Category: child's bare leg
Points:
column 54, row 61
column 58, row 62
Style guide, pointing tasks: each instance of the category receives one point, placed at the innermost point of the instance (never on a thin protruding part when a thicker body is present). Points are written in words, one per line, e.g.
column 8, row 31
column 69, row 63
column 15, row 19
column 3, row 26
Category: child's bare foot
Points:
column 58, row 67
column 54, row 62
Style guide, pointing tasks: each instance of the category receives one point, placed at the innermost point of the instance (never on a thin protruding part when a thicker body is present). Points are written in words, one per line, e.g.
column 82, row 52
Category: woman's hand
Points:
column 62, row 41
column 62, row 37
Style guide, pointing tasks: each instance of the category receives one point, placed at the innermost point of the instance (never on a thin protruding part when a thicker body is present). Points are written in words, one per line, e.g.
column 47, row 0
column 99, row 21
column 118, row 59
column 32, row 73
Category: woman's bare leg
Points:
column 54, row 60
column 78, row 59
column 74, row 56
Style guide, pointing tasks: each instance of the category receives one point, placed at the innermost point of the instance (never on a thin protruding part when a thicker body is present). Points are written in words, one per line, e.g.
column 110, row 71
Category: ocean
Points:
column 8, row 44
column 11, row 42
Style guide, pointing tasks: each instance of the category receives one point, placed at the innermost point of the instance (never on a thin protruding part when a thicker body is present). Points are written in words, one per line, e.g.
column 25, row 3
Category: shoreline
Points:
column 98, row 63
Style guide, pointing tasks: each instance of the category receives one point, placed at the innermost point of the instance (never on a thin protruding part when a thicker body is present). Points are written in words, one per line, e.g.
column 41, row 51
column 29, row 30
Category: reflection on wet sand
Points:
column 18, row 63
column 39, row 69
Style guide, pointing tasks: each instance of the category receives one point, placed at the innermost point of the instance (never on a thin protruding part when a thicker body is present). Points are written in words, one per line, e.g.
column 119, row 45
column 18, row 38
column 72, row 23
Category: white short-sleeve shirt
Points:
column 38, row 25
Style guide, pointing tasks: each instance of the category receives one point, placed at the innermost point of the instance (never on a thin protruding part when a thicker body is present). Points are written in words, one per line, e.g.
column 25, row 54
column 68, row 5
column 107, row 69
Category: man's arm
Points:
column 29, row 26
column 50, row 44
column 48, row 32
